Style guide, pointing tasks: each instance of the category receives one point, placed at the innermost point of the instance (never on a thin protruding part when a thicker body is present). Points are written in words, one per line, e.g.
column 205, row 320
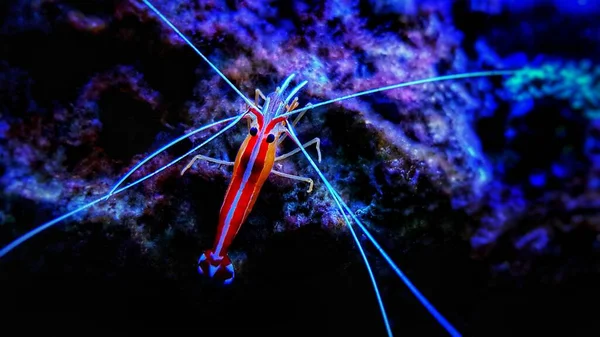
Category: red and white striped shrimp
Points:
column 253, row 164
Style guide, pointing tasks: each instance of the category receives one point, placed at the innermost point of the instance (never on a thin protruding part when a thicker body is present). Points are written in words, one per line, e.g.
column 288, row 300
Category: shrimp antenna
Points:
column 342, row 206
column 360, row 248
column 362, row 253
column 286, row 83
column 406, row 84
column 155, row 153
column 12, row 245
column 295, row 91
column 163, row 18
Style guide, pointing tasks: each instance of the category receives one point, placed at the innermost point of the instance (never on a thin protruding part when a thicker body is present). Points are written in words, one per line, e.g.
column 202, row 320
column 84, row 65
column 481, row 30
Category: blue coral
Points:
column 575, row 82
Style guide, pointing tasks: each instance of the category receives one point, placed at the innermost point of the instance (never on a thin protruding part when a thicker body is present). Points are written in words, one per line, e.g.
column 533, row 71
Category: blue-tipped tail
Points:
column 216, row 267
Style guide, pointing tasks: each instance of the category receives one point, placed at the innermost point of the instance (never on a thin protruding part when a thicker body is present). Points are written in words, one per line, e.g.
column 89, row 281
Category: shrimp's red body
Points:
column 253, row 164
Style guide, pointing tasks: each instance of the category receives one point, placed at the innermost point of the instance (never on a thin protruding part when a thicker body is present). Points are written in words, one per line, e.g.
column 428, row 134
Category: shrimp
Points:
column 253, row 164
column 268, row 126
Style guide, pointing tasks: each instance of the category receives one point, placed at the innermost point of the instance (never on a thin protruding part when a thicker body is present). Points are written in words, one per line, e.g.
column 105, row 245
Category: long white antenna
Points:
column 162, row 17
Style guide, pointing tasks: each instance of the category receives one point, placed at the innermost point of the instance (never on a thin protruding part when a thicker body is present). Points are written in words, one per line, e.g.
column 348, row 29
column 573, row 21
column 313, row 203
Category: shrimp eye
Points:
column 253, row 131
column 270, row 138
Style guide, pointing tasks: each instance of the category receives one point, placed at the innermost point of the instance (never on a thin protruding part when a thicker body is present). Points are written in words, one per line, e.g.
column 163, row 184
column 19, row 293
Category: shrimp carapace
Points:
column 253, row 165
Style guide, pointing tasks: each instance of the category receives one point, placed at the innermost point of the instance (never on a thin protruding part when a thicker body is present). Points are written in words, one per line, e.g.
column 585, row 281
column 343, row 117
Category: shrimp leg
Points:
column 281, row 174
column 290, row 108
column 209, row 159
column 282, row 157
column 300, row 178
column 258, row 94
column 307, row 144
column 301, row 114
